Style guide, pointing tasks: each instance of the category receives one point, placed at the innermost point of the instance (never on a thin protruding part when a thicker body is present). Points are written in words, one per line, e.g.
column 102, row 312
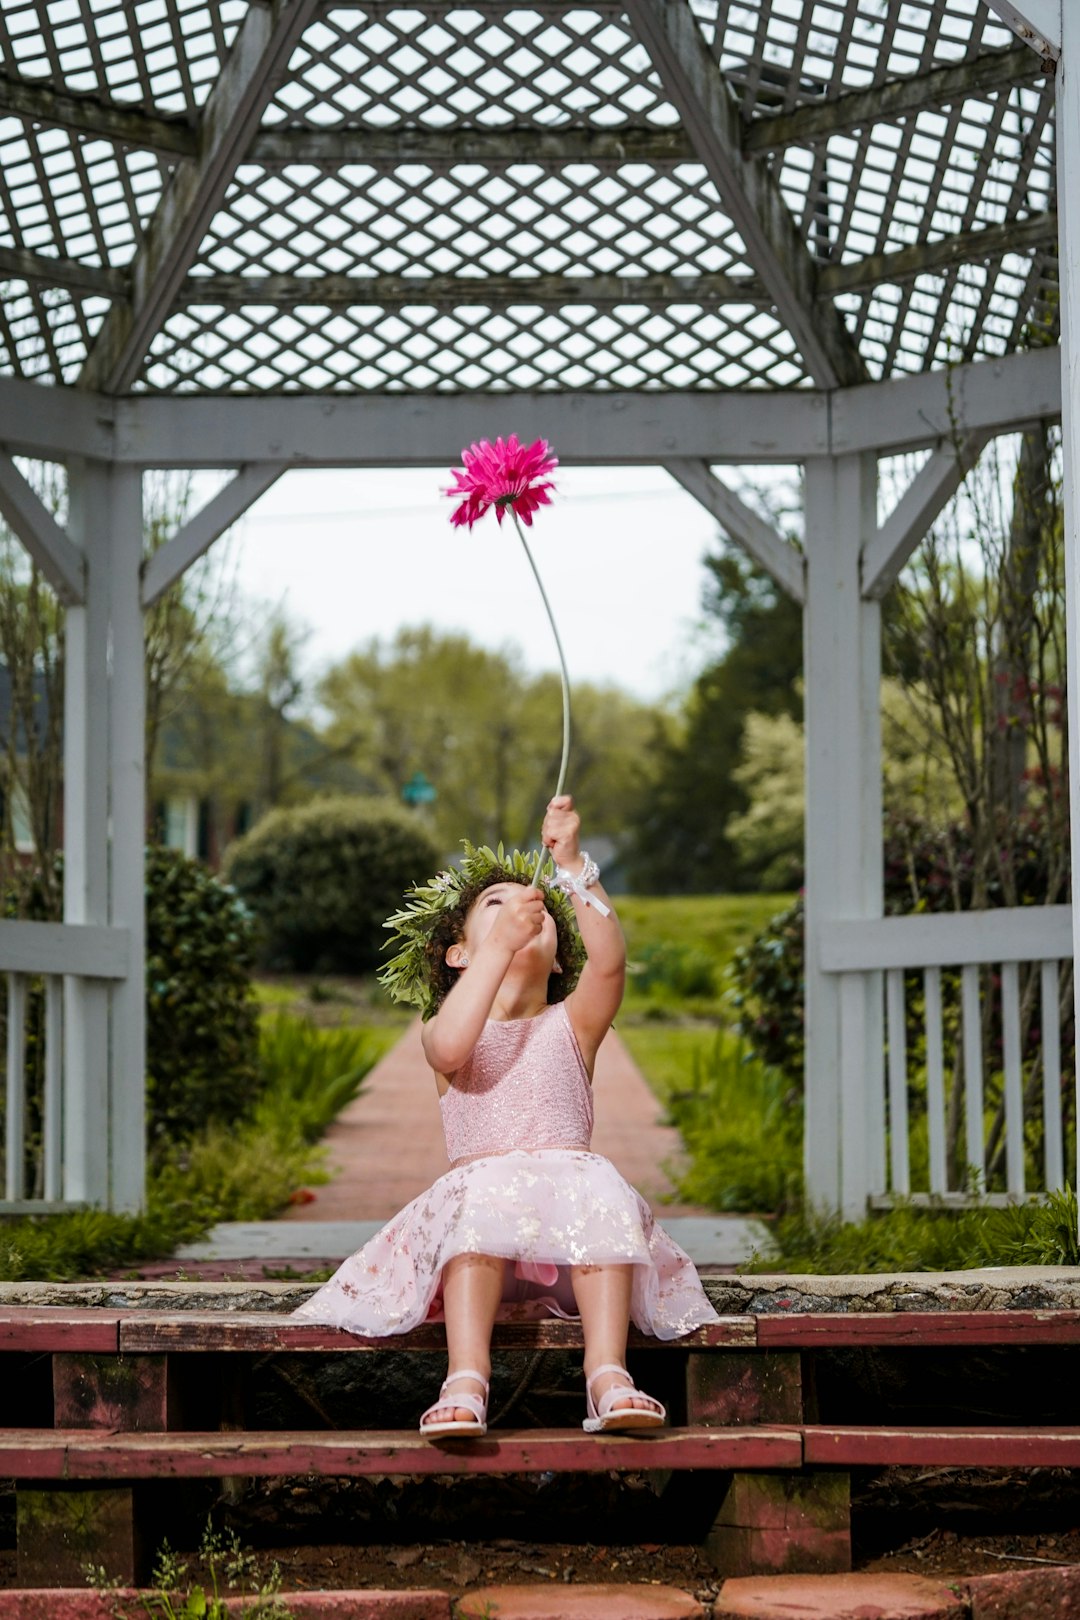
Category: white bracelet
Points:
column 580, row 883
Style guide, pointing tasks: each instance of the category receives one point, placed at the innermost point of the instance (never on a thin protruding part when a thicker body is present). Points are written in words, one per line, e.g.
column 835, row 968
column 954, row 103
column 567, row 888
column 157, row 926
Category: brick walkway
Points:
column 387, row 1146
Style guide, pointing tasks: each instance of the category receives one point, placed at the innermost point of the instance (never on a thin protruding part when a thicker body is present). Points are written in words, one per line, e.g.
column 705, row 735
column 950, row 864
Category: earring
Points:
column 463, row 960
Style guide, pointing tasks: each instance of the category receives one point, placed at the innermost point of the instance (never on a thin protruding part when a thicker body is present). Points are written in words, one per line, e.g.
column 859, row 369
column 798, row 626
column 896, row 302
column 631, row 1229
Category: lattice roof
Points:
column 687, row 195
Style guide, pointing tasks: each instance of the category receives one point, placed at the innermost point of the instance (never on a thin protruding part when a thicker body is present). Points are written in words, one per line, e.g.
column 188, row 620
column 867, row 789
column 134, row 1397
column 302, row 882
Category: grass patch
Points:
column 679, row 948
column 242, row 1171
column 920, row 1239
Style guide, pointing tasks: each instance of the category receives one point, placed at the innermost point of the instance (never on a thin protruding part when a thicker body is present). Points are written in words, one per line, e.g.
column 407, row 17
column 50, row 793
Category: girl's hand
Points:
column 562, row 831
column 521, row 918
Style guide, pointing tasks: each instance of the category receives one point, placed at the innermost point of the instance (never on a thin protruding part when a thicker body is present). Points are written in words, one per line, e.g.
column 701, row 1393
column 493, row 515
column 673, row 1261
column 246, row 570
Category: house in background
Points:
column 216, row 770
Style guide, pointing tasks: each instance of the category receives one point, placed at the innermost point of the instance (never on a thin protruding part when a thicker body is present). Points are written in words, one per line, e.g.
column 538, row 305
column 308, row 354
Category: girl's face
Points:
column 484, row 911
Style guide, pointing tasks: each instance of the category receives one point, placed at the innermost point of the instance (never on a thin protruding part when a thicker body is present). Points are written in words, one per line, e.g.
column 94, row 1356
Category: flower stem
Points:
column 565, row 680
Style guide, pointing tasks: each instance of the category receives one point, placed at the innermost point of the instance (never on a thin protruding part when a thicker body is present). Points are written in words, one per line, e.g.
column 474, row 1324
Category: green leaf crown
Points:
column 407, row 977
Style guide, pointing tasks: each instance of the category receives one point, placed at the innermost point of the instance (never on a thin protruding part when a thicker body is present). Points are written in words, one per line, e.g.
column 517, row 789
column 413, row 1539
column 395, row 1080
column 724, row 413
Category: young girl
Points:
column 517, row 1004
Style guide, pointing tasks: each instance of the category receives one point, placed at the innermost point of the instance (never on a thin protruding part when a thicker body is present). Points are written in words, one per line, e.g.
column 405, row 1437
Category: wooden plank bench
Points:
column 782, row 1476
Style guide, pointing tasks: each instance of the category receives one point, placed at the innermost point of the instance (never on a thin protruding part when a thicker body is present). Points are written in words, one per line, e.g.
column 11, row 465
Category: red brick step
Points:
column 559, row 1602
column 840, row 1597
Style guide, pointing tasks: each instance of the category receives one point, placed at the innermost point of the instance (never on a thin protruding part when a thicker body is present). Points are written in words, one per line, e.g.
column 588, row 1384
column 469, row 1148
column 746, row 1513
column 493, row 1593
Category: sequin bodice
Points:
column 523, row 1086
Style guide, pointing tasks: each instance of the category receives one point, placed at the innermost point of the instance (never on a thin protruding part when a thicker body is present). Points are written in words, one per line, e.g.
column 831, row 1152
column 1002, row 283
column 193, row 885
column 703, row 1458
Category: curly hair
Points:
column 450, row 930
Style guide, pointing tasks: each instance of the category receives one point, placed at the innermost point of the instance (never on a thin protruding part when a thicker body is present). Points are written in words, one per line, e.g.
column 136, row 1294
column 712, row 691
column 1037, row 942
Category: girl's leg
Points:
column 472, row 1289
column 603, row 1298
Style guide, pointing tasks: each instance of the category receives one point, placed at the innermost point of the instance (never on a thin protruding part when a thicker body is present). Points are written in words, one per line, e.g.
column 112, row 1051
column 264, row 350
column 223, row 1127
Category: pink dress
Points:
column 523, row 1185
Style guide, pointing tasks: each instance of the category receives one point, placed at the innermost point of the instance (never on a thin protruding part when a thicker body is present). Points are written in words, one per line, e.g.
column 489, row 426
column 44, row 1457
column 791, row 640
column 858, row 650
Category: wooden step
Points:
column 95, row 1329
column 214, row 1330
column 848, row 1446
column 903, row 1329
column 94, row 1454
column 58, row 1327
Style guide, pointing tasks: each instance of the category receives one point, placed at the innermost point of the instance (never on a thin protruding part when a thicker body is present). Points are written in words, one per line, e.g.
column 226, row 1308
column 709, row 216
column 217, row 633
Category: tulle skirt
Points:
column 545, row 1211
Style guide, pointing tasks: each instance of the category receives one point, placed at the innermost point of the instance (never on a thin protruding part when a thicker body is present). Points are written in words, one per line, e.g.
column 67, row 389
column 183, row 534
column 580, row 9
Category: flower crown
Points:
column 408, row 976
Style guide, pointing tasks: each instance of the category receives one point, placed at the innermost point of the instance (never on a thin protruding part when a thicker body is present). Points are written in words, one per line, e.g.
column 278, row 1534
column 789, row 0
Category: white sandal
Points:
column 606, row 1414
column 476, row 1404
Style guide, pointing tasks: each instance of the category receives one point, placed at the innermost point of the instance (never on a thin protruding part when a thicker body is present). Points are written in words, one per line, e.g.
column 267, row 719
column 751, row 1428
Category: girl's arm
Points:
column 599, row 991
column 450, row 1036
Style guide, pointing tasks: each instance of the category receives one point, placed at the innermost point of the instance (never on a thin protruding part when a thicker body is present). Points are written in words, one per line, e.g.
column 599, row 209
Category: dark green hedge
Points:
column 202, row 1026
column 321, row 880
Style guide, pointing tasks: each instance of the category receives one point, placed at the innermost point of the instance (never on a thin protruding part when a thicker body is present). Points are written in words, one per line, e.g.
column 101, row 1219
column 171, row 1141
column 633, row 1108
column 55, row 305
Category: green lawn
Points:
column 679, row 949
column 664, row 1052
column 717, row 923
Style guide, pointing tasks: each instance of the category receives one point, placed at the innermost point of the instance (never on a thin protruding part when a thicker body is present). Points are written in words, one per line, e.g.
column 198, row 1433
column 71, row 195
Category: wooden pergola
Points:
column 297, row 233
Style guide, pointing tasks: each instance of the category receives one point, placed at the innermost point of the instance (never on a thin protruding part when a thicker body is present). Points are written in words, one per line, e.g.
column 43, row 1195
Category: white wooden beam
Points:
column 86, row 838
column 949, row 939
column 781, row 561
column 907, row 413
column 80, row 948
column 749, row 192
column 198, row 534
column 930, row 490
column 20, row 264
column 842, row 660
column 454, row 292
column 126, row 768
column 39, row 103
column 1068, row 158
column 425, row 430
column 30, row 519
column 896, row 98
column 595, row 429
column 259, row 56
column 1038, row 23
column 1038, row 230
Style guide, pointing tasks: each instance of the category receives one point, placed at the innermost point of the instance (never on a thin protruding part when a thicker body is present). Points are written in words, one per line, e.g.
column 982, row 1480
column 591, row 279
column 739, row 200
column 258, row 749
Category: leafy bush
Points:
column 241, row 1171
column 202, row 1021
column 321, row 880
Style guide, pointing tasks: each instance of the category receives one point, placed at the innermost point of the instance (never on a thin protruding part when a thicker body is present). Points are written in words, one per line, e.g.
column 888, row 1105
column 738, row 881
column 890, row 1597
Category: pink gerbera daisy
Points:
column 504, row 474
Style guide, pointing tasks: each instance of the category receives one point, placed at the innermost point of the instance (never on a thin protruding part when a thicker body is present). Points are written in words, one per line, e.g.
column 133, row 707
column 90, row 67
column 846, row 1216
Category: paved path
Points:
column 387, row 1146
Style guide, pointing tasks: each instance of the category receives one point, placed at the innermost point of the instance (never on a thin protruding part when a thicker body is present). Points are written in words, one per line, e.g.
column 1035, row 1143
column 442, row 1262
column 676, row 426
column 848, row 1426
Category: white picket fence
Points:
column 1030, row 948
column 73, row 965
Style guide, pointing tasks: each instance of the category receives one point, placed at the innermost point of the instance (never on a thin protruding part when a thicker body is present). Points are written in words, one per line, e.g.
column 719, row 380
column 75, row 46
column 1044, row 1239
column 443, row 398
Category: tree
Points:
column 484, row 733
column 768, row 836
column 681, row 841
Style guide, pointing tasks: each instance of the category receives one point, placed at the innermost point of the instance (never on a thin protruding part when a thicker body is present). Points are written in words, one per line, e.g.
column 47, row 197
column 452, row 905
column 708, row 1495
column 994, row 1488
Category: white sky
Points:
column 355, row 554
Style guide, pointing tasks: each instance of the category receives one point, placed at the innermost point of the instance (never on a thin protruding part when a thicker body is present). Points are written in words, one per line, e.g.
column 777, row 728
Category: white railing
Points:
column 1029, row 946
column 53, row 961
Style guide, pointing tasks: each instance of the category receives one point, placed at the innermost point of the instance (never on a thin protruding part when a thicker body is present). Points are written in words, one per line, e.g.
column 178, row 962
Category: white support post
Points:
column 86, row 851
column 842, row 661
column 104, row 837
column 127, row 807
column 1068, row 159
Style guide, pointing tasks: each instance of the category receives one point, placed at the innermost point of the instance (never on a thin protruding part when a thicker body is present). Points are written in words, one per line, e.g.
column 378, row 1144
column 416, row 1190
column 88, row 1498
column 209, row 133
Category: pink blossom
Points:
column 502, row 474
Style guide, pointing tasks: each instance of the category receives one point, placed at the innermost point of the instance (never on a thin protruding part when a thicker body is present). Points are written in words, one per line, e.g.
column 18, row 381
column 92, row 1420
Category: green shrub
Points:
column 321, row 880
column 242, row 1171
column 202, row 1020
